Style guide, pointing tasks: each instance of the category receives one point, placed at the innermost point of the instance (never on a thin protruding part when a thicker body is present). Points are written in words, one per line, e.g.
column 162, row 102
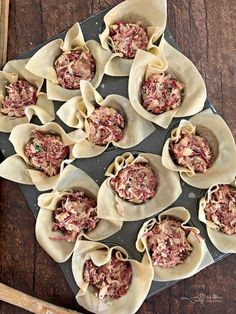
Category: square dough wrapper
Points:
column 44, row 109
column 100, row 254
column 199, row 258
column 71, row 179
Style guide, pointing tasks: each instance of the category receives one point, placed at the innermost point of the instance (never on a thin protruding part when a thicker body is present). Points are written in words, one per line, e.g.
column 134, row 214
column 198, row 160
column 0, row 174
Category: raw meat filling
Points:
column 75, row 213
column 46, row 152
column 193, row 152
column 127, row 38
column 167, row 243
column 221, row 209
column 161, row 93
column 111, row 280
column 105, row 125
column 19, row 95
column 73, row 66
column 137, row 183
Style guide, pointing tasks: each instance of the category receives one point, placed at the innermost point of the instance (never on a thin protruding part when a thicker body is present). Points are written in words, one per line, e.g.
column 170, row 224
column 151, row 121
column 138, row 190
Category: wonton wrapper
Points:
column 71, row 179
column 223, row 242
column 111, row 206
column 77, row 110
column 42, row 62
column 17, row 168
column 44, row 108
column 152, row 13
column 181, row 68
column 214, row 129
column 199, row 258
column 100, row 254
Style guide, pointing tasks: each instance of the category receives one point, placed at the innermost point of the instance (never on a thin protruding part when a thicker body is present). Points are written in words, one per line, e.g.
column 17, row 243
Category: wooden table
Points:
column 205, row 31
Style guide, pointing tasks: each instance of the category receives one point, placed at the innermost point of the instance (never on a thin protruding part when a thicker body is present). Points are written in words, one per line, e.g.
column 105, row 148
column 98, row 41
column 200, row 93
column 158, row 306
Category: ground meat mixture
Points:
column 75, row 213
column 193, row 152
column 19, row 95
column 105, row 125
column 111, row 280
column 167, row 243
column 221, row 209
column 137, row 183
column 46, row 152
column 73, row 66
column 127, row 38
column 161, row 93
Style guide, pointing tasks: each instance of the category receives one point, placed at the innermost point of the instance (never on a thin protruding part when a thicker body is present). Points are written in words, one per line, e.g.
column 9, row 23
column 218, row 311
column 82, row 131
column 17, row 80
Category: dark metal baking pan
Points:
column 96, row 166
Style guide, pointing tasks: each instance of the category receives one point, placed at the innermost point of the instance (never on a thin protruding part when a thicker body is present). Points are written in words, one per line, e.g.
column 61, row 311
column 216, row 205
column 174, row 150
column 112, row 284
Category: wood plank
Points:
column 204, row 31
column 25, row 301
column 4, row 15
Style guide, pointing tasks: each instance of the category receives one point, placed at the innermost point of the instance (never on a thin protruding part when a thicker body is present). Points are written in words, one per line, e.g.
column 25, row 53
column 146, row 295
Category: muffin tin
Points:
column 96, row 166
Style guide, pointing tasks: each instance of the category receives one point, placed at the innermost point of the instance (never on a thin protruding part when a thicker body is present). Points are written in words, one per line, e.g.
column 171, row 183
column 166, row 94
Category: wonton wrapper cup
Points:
column 199, row 258
column 152, row 13
column 77, row 110
column 44, row 108
column 71, row 179
column 100, row 254
column 111, row 206
column 42, row 62
column 214, row 129
column 181, row 68
column 223, row 242
column 17, row 167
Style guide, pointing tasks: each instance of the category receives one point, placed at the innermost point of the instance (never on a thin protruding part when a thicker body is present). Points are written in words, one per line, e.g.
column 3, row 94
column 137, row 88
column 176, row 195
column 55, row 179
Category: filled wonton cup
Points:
column 111, row 206
column 212, row 128
column 12, row 72
column 77, row 111
column 42, row 62
column 198, row 258
column 101, row 254
column 152, row 14
column 71, row 180
column 17, row 167
column 179, row 67
column 225, row 243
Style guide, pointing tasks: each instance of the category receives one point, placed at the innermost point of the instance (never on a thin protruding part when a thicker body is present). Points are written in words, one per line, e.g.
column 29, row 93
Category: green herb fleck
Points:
column 170, row 88
column 38, row 147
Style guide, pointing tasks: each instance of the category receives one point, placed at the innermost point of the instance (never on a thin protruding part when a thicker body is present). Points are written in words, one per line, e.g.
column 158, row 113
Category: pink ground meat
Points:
column 137, row 183
column 193, row 152
column 167, row 243
column 46, row 152
column 111, row 280
column 221, row 209
column 161, row 93
column 19, row 95
column 127, row 38
column 74, row 214
column 73, row 66
column 105, row 125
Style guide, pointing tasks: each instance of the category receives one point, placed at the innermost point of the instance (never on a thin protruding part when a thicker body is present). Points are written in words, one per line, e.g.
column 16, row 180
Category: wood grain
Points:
column 4, row 15
column 25, row 301
column 204, row 30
